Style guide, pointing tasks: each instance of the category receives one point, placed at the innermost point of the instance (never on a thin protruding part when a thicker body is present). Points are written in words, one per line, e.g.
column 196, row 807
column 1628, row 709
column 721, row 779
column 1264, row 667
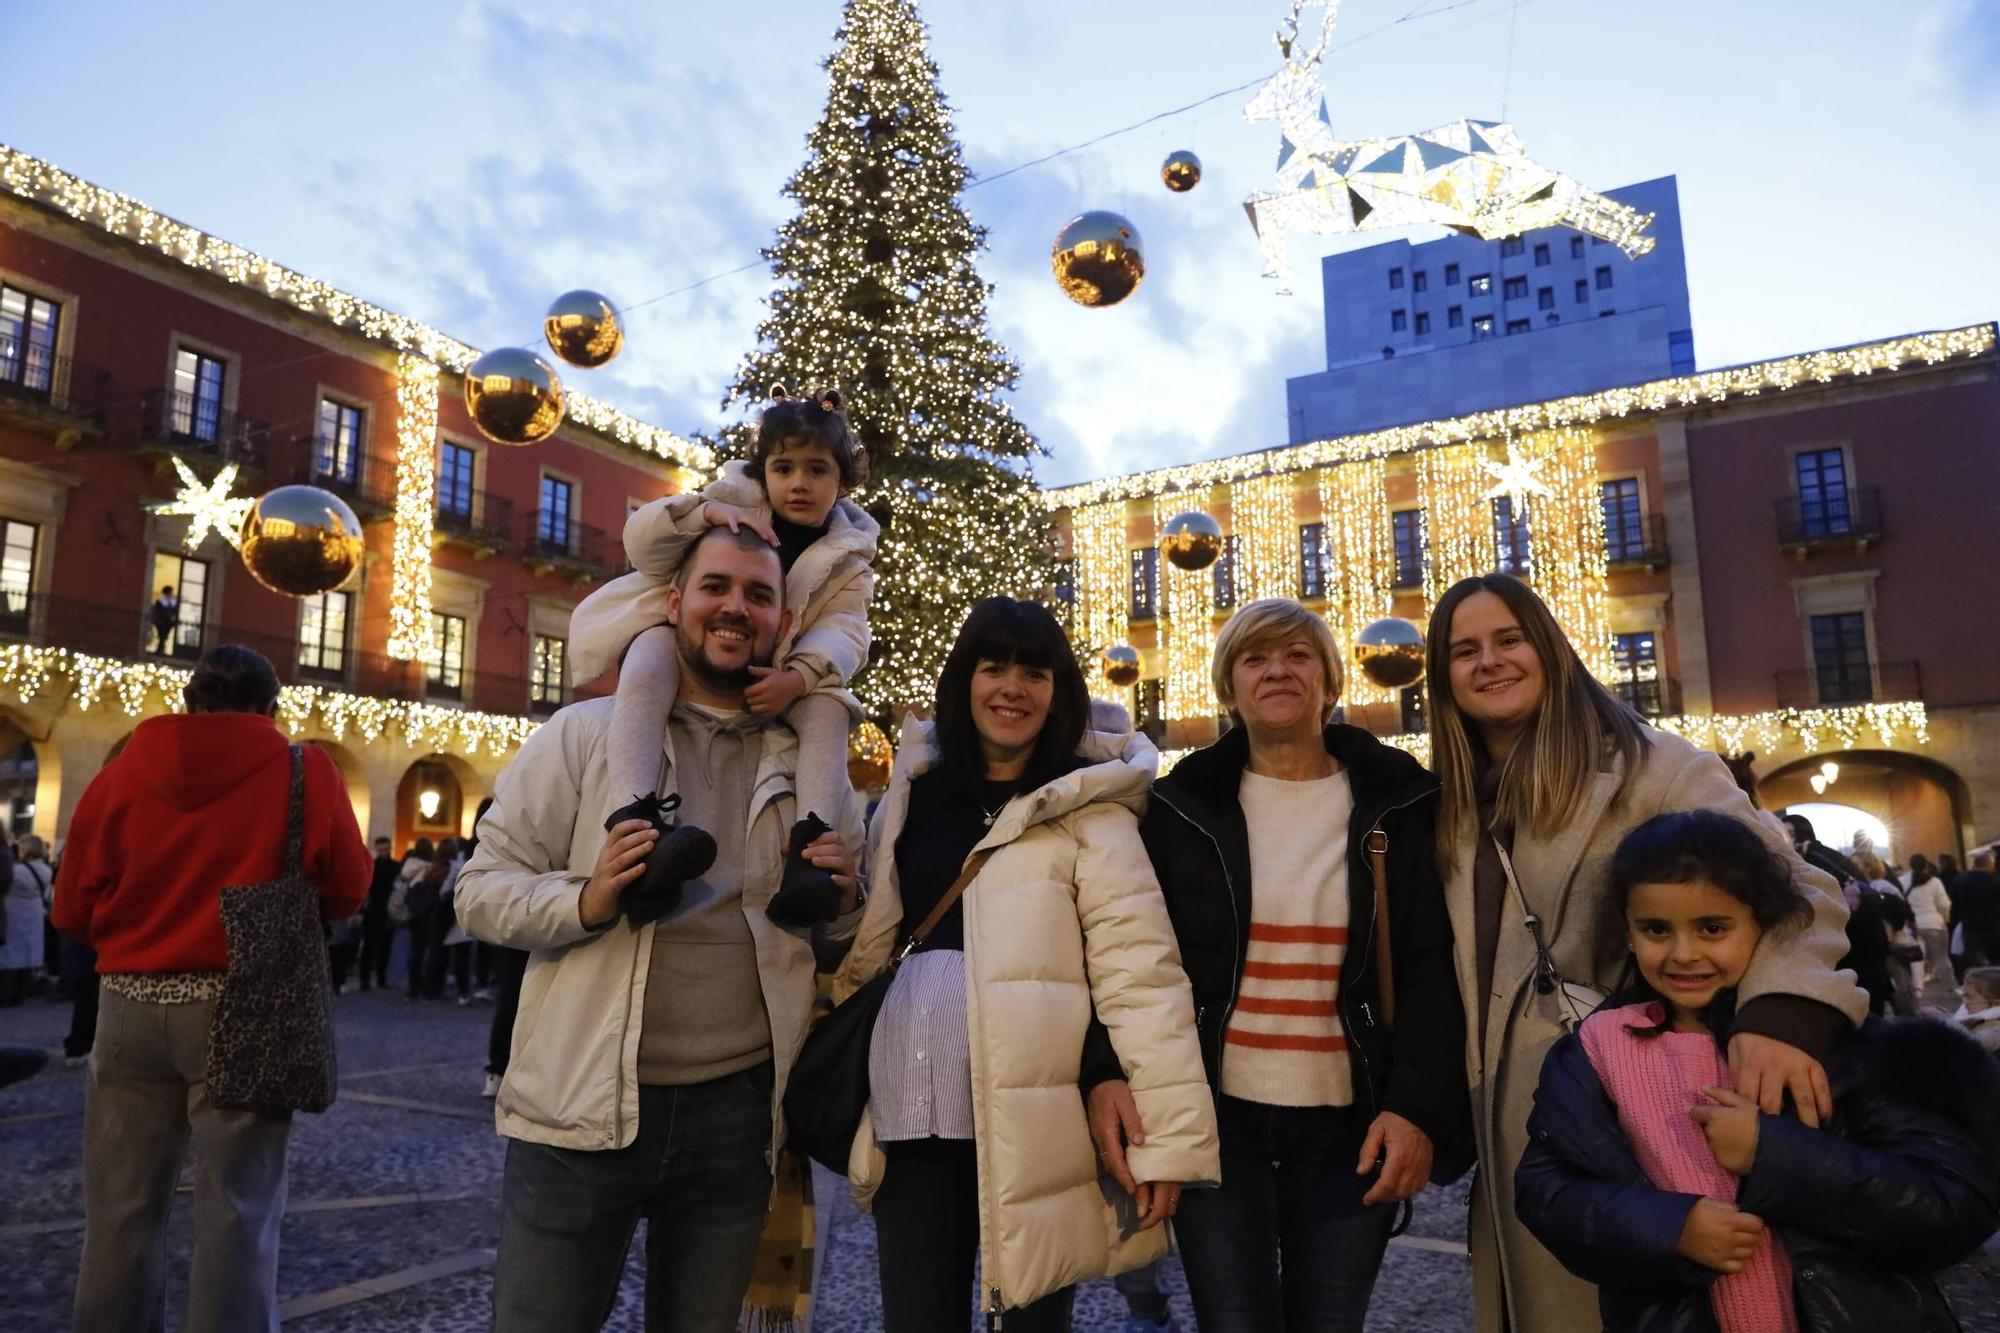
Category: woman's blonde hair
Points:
column 1579, row 726
column 1274, row 620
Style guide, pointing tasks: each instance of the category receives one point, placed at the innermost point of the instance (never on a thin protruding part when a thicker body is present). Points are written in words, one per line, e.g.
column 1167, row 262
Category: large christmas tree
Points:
column 878, row 297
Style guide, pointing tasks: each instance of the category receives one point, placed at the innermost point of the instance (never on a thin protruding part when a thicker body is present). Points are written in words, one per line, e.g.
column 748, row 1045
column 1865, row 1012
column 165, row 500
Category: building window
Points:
column 445, row 670
column 1607, row 311
column 552, row 520
column 1519, row 325
column 1822, row 479
column 1225, row 573
column 1511, row 551
column 1411, row 704
column 323, row 633
column 1420, row 281
column 1451, row 275
column 1840, row 658
column 1541, row 254
column 28, row 326
column 337, row 452
column 1624, row 526
column 188, row 578
column 1145, row 583
column 1482, row 326
column 1604, row 277
column 1312, row 560
column 1576, row 247
column 1395, row 280
column 1398, row 321
column 545, row 677
column 1454, row 317
column 1545, row 298
column 1406, row 530
column 1551, row 318
column 1680, row 351
column 1514, row 289
column 454, row 481
column 17, row 572
column 1152, row 707
column 1481, row 284
column 1583, row 291
column 197, row 403
column 1511, row 246
column 1423, row 322
column 1637, row 658
column 1065, row 586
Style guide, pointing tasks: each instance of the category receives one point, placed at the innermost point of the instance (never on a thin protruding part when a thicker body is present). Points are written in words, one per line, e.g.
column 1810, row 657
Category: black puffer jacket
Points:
column 1195, row 832
column 1904, row 1181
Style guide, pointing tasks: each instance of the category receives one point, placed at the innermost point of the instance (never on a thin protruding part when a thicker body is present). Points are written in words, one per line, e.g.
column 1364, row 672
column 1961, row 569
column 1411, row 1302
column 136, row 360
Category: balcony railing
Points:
column 1862, row 683
column 1637, row 542
column 1849, row 517
column 364, row 480
column 476, row 518
column 33, row 376
column 183, row 421
column 562, row 543
column 1658, row 697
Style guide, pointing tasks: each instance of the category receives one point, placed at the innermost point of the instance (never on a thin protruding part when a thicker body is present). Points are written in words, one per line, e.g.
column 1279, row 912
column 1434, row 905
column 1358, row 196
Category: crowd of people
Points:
column 1084, row 1010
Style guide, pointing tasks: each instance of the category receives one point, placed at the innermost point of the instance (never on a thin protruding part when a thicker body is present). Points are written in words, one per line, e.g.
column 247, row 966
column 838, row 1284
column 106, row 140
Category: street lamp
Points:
column 430, row 798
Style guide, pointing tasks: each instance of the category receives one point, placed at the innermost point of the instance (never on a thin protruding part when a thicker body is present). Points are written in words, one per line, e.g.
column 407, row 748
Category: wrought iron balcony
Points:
column 1658, row 697
column 1637, row 542
column 365, row 480
column 184, row 422
column 1858, row 683
column 556, row 542
column 1850, row 517
column 478, row 519
column 36, row 382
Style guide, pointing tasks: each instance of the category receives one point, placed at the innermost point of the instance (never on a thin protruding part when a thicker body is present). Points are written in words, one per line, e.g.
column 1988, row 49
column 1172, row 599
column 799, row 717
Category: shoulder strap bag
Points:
column 828, row 1087
column 1574, row 1000
column 270, row 1043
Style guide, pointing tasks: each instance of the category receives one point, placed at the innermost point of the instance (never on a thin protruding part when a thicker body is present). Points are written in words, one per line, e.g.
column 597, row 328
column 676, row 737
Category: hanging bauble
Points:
column 1390, row 652
column 869, row 756
column 584, row 329
column 1121, row 665
column 1181, row 171
column 301, row 541
column 1192, row 540
column 514, row 396
column 1097, row 259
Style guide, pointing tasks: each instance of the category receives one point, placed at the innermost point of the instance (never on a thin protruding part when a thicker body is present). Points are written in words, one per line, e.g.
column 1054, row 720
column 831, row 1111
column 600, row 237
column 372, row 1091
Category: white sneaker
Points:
column 491, row 1088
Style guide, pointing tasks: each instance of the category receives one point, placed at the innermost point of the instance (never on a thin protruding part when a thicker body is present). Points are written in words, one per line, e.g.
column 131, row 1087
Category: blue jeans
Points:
column 1284, row 1245
column 696, row 1172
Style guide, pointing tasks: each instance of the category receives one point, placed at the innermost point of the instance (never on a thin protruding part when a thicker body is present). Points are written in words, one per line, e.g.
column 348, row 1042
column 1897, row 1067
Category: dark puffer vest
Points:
column 1902, row 1182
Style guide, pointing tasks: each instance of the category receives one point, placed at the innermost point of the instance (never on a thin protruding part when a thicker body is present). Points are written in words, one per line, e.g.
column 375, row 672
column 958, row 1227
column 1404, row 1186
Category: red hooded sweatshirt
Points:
column 194, row 804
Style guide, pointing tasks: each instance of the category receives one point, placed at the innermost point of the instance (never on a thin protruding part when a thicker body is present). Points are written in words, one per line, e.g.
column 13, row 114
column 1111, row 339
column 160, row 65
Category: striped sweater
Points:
column 1284, row 1045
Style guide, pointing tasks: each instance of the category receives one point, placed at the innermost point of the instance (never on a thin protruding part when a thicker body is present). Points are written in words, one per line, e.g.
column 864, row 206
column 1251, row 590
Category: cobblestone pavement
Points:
column 393, row 1214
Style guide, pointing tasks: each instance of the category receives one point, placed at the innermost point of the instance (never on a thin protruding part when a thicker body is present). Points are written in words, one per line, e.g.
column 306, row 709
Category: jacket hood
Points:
column 1377, row 773
column 1117, row 765
column 1930, row 1063
column 849, row 527
column 189, row 760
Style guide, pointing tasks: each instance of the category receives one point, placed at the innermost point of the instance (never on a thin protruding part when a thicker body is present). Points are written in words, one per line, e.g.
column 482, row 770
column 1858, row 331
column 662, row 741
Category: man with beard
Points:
column 651, row 1051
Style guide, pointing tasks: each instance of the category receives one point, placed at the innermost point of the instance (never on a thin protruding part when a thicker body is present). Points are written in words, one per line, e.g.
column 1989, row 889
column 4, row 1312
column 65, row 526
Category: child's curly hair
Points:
column 816, row 418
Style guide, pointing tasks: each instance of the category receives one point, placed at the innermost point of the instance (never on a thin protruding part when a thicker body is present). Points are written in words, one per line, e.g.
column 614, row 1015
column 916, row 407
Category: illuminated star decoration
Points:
column 1516, row 480
column 210, row 506
column 1470, row 175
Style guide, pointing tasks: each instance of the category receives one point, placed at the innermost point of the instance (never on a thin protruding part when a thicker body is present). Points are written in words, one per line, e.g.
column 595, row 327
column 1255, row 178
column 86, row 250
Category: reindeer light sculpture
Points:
column 1471, row 175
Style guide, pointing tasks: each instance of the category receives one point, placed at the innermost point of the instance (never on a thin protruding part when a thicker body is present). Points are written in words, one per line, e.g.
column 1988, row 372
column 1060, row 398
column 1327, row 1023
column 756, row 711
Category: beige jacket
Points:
column 827, row 589
column 1565, row 880
column 1065, row 917
column 573, row 1072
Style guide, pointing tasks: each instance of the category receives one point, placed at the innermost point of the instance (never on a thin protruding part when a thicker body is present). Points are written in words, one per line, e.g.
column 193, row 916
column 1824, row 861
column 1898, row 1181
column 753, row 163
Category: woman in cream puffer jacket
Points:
column 1065, row 919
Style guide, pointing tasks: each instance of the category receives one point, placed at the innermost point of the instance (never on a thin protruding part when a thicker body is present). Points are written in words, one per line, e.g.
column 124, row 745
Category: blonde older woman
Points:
column 1329, row 1114
column 1544, row 773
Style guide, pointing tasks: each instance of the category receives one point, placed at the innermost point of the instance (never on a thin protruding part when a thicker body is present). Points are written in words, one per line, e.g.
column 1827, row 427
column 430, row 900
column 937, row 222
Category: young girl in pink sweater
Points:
column 1648, row 1175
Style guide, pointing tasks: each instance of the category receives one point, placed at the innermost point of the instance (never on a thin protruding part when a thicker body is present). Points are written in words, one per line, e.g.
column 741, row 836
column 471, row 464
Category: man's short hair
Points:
column 381, row 839
column 1985, row 980
column 741, row 537
column 1982, row 860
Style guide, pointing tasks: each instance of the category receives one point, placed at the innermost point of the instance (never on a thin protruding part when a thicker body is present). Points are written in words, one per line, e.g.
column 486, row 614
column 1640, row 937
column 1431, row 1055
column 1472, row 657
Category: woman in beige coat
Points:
column 976, row 1142
column 1545, row 770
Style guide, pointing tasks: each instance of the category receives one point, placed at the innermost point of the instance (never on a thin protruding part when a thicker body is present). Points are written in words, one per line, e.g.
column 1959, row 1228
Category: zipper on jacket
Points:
column 1235, row 914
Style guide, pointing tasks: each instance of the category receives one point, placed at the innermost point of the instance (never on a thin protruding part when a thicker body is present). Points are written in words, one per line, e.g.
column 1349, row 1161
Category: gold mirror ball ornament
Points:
column 1181, row 171
column 584, row 329
column 1121, row 665
column 1390, row 652
column 513, row 396
column 1192, row 540
column 302, row 541
column 1098, row 259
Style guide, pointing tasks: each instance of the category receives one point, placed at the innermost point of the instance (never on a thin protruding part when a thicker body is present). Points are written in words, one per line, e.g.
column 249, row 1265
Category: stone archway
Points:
column 30, row 779
column 354, row 774
column 435, row 799
column 1922, row 802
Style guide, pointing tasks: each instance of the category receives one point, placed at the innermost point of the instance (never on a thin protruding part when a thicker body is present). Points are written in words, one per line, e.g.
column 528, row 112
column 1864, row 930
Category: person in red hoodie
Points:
column 197, row 802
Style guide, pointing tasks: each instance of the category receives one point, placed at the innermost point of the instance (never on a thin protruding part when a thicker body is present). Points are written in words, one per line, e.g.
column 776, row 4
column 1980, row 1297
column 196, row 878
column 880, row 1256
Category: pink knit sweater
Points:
column 1655, row 1082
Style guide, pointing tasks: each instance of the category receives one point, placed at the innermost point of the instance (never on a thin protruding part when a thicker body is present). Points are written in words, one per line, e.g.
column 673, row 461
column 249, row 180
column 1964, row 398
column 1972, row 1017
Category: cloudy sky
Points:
column 463, row 162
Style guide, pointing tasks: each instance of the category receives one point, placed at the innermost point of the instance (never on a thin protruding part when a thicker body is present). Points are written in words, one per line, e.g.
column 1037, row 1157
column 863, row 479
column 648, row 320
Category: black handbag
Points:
column 827, row 1091
column 270, row 1043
